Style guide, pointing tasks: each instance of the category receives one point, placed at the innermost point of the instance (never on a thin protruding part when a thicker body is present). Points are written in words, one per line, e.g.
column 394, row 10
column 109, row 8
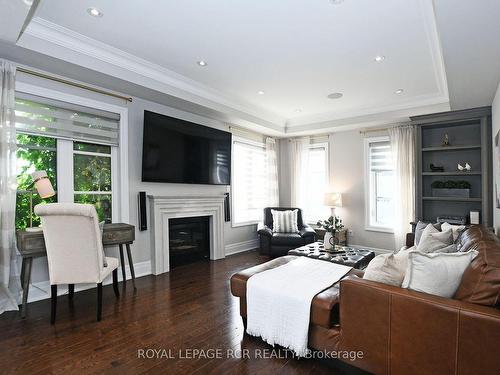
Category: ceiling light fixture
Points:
column 399, row 91
column 94, row 12
column 336, row 2
column 260, row 92
column 335, row 95
column 298, row 110
column 379, row 58
column 202, row 63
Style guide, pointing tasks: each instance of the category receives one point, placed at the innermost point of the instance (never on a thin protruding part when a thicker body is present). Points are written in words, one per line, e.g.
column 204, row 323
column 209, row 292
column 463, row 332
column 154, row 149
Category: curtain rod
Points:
column 369, row 130
column 71, row 83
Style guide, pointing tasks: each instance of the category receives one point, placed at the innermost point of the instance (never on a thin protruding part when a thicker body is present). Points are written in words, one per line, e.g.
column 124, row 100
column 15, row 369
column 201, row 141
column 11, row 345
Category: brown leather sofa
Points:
column 401, row 331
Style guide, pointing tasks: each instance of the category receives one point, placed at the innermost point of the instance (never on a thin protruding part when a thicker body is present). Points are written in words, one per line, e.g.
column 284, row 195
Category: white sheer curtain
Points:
column 299, row 157
column 9, row 283
column 272, row 173
column 403, row 153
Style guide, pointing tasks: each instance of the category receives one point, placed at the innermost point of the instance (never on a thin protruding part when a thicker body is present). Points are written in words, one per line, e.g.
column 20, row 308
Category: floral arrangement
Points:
column 332, row 225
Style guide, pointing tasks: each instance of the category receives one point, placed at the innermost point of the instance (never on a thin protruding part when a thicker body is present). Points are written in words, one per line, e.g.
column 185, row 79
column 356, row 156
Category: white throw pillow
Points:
column 457, row 229
column 387, row 268
column 285, row 221
column 432, row 239
column 436, row 273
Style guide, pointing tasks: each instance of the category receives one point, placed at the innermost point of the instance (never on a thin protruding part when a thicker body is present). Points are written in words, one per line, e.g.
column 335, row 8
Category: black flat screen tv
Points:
column 179, row 151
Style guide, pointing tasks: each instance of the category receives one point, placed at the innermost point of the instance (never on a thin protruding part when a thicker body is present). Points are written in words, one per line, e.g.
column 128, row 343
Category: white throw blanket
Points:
column 279, row 300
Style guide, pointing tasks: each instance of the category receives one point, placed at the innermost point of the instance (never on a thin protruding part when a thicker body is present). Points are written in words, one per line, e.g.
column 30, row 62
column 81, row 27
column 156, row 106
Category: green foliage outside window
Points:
column 91, row 173
column 33, row 153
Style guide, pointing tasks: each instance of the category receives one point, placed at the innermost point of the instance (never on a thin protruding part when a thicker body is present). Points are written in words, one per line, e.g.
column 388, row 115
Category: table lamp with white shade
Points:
column 45, row 190
column 333, row 200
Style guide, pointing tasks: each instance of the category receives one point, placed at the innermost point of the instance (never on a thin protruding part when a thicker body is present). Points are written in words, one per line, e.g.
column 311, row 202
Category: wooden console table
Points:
column 32, row 245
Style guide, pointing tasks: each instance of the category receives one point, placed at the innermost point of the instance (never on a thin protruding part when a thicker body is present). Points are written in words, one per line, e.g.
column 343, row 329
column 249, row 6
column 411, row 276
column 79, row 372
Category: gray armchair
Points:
column 278, row 244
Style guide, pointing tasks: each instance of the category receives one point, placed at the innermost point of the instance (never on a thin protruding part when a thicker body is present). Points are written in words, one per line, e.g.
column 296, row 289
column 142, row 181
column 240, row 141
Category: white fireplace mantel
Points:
column 163, row 208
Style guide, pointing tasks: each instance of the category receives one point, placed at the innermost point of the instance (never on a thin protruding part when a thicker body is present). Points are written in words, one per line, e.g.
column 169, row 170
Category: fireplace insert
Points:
column 189, row 240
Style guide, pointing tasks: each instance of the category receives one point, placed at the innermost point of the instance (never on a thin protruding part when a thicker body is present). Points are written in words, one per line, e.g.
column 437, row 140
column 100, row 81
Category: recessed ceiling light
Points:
column 399, row 91
column 379, row 58
column 335, row 95
column 94, row 12
column 298, row 110
column 260, row 92
column 336, row 2
column 202, row 63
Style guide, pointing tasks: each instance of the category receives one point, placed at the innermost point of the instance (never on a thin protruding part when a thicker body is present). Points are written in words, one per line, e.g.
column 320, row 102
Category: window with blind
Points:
column 379, row 184
column 249, row 188
column 315, row 183
column 75, row 145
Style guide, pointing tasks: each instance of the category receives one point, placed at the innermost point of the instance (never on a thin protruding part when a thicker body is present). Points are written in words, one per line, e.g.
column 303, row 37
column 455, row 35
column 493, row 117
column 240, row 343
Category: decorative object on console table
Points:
column 45, row 190
column 340, row 236
column 331, row 226
column 450, row 188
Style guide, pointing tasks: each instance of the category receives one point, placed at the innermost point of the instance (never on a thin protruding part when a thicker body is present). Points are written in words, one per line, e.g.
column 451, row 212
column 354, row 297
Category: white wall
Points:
column 496, row 159
column 346, row 176
column 141, row 249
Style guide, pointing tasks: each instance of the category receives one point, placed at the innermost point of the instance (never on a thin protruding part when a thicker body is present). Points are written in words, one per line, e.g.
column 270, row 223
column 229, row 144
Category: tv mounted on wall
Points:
column 179, row 151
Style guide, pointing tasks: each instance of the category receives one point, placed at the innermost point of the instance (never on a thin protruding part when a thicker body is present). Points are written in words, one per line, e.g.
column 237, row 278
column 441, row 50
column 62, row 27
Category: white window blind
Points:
column 51, row 118
column 380, row 156
column 248, row 182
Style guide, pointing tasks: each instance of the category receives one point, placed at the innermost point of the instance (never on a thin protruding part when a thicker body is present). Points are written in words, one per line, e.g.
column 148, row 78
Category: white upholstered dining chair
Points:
column 74, row 250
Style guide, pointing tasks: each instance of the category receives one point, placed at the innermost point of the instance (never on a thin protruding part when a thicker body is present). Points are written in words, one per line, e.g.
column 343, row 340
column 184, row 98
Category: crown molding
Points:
column 54, row 40
column 65, row 44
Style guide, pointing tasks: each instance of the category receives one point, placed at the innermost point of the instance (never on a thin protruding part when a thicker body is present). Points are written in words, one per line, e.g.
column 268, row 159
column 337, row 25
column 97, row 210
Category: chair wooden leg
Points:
column 53, row 305
column 99, row 302
column 115, row 283
column 122, row 264
column 130, row 264
column 71, row 291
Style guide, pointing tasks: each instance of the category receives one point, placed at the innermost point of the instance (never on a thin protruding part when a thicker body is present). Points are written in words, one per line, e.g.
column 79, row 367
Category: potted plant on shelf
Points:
column 331, row 226
column 460, row 189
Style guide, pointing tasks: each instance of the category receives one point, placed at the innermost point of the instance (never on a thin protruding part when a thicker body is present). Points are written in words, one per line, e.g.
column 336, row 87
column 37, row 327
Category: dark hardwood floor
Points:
column 189, row 308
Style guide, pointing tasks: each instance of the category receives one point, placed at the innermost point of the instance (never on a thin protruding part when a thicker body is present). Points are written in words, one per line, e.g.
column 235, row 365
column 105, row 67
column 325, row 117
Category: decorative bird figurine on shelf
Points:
column 467, row 167
column 460, row 167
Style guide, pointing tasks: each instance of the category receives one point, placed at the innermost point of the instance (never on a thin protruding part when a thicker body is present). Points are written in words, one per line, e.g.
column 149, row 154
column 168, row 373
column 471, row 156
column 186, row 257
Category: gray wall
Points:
column 346, row 171
column 142, row 246
column 496, row 159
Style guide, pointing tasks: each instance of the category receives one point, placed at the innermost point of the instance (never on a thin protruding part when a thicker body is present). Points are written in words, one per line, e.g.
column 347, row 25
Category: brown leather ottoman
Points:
column 324, row 306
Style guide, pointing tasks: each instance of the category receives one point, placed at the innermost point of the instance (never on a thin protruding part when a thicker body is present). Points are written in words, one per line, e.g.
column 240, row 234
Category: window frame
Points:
column 368, row 184
column 119, row 154
column 324, row 145
column 251, row 143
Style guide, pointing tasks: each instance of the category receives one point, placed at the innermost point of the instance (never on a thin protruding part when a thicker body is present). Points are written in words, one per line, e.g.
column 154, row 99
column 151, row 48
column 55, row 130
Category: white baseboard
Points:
column 240, row 247
column 374, row 249
column 41, row 290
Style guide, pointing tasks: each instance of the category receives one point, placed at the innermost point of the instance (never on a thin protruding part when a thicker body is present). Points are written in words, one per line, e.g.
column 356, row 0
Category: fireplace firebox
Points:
column 189, row 240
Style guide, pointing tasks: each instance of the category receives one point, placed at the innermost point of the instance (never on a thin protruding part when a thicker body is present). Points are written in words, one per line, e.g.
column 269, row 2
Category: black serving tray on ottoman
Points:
column 348, row 256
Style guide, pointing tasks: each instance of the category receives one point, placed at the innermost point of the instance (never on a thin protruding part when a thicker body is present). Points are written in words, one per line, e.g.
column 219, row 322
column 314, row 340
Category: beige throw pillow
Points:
column 456, row 229
column 439, row 274
column 387, row 268
column 432, row 239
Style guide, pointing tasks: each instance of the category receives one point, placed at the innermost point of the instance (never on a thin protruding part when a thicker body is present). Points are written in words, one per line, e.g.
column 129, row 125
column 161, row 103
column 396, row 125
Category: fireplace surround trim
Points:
column 163, row 208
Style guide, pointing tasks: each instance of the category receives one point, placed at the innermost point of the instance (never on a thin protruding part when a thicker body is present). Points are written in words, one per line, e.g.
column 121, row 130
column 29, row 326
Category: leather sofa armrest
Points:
column 404, row 324
column 307, row 231
column 264, row 230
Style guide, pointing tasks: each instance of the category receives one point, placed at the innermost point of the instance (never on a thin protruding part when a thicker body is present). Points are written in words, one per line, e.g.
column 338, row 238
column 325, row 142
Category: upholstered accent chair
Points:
column 278, row 244
column 74, row 250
